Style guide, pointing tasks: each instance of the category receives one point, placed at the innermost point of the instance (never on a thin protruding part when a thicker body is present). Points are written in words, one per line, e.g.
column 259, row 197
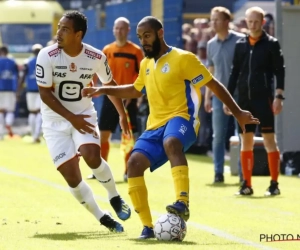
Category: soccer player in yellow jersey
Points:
column 172, row 79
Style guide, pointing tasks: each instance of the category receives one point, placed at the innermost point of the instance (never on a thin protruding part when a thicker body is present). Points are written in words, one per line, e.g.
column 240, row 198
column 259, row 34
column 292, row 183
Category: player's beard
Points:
column 155, row 49
column 60, row 46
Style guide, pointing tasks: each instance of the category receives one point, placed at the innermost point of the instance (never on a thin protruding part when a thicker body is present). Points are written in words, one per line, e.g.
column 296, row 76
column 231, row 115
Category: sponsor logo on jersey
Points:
column 92, row 54
column 70, row 91
column 89, row 69
column 197, row 79
column 39, row 71
column 54, row 52
column 59, row 74
column 85, row 76
column 73, row 67
column 61, row 67
column 166, row 68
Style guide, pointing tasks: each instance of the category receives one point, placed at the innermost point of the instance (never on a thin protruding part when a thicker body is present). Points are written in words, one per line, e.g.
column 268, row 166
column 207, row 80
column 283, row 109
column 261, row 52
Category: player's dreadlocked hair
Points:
column 152, row 21
column 79, row 21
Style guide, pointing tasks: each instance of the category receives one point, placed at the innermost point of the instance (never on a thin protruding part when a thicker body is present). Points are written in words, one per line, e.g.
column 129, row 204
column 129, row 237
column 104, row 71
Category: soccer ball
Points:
column 170, row 227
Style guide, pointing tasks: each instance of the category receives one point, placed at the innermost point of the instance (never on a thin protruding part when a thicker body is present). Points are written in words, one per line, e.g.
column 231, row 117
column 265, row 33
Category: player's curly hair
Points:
column 154, row 22
column 79, row 21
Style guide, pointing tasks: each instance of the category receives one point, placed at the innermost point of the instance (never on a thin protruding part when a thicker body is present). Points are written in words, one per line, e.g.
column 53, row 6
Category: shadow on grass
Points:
column 78, row 236
column 222, row 185
column 199, row 158
column 257, row 197
column 157, row 242
column 184, row 243
column 121, row 182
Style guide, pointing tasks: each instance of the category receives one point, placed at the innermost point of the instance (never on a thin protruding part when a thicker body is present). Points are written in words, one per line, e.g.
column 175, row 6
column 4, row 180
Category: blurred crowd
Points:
column 195, row 37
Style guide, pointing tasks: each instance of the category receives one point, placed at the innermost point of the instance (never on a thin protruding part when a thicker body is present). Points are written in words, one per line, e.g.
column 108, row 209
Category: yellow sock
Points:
column 139, row 197
column 181, row 183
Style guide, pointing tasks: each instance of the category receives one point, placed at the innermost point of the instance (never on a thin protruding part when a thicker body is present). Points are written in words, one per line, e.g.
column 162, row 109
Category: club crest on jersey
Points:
column 147, row 72
column 166, row 68
column 73, row 67
column 127, row 64
column 197, row 79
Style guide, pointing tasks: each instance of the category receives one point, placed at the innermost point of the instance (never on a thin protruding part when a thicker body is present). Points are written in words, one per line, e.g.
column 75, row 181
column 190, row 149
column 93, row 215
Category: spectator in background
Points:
column 202, row 52
column 220, row 51
column 33, row 99
column 186, row 29
column 124, row 58
column 241, row 24
column 257, row 59
column 200, row 24
column 205, row 33
column 186, row 42
column 269, row 24
column 193, row 42
column 52, row 41
column 9, row 76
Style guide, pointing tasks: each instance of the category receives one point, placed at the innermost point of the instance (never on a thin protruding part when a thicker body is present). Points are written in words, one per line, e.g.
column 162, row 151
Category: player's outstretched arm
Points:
column 243, row 117
column 124, row 91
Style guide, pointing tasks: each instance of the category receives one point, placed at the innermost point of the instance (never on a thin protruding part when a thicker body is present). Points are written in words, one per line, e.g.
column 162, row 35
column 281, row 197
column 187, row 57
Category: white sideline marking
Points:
column 201, row 227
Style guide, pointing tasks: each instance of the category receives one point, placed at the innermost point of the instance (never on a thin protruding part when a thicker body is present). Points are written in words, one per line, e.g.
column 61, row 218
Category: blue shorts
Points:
column 150, row 143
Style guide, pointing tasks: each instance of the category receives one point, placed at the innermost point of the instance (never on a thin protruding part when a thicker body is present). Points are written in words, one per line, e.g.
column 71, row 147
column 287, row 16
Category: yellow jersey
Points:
column 172, row 84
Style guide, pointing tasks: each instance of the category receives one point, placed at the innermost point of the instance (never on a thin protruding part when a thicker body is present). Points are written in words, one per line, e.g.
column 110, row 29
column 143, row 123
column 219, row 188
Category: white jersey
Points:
column 67, row 76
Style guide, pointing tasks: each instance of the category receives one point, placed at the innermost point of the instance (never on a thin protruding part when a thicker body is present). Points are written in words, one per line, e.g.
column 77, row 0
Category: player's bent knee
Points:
column 91, row 155
column 92, row 161
column 71, row 174
column 137, row 164
column 172, row 145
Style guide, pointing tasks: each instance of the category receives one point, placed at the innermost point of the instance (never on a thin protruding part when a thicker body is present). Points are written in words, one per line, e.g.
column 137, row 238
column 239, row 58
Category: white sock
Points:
column 31, row 123
column 105, row 177
column 84, row 194
column 38, row 125
column 1, row 124
column 9, row 118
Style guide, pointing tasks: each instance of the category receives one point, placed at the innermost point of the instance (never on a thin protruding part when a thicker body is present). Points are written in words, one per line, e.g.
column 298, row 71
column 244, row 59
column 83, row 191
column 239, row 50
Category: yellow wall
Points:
column 157, row 9
column 29, row 11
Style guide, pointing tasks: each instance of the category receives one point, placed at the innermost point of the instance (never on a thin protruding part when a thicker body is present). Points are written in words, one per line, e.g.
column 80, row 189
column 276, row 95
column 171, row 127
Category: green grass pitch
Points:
column 37, row 211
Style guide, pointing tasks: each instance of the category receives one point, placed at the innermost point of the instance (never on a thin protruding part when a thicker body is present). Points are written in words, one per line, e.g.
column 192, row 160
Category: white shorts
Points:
column 33, row 100
column 63, row 140
column 8, row 101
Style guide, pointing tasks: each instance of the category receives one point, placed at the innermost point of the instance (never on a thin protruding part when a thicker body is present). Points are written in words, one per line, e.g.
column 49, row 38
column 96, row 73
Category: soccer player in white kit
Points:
column 8, row 78
column 70, row 120
column 33, row 99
